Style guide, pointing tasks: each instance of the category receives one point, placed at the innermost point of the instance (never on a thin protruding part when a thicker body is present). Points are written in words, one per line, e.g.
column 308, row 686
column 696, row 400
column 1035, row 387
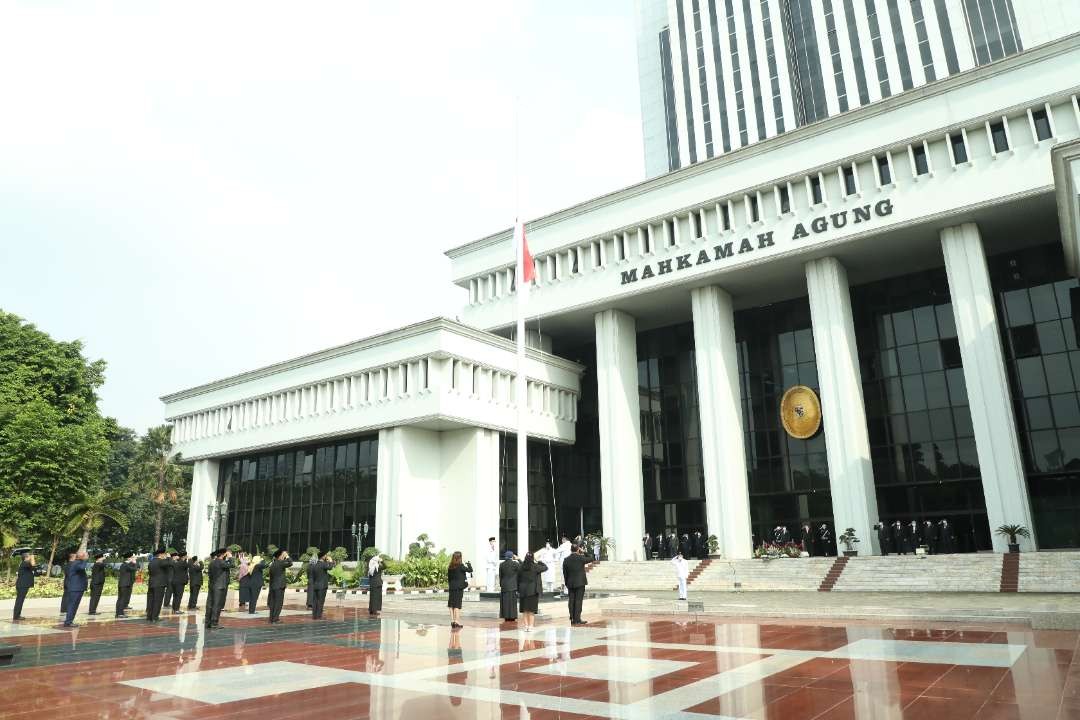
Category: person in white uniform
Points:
column 547, row 556
column 682, row 572
column 562, row 553
column 492, row 564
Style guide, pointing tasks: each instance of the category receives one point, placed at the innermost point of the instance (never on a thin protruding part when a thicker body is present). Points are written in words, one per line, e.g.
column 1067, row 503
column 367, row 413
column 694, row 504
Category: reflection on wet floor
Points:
column 350, row 665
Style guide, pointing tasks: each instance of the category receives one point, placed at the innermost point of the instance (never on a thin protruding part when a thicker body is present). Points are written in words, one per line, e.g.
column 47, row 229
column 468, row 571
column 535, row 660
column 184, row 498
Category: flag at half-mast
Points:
column 528, row 265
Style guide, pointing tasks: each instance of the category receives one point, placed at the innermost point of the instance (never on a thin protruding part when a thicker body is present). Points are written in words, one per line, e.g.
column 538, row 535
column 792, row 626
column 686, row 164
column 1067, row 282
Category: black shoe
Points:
column 71, row 624
column 91, row 613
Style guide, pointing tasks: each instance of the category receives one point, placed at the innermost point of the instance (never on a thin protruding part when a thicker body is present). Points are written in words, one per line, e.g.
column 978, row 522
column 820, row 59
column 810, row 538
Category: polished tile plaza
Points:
column 351, row 666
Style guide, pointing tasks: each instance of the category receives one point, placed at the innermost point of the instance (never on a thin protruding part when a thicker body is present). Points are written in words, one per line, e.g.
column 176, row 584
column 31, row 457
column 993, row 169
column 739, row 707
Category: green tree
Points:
column 158, row 473
column 93, row 510
column 8, row 540
column 53, row 440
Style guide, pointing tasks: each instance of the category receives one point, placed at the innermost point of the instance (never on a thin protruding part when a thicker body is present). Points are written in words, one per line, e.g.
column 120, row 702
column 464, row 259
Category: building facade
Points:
column 912, row 261
column 717, row 75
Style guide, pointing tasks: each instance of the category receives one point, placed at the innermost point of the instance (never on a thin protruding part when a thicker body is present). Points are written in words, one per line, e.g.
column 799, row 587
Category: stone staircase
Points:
column 1049, row 572
column 971, row 572
column 779, row 574
column 642, row 575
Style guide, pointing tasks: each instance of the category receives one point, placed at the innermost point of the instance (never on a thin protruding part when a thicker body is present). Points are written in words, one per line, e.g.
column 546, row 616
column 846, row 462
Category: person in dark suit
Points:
column 219, row 586
column 882, row 531
column 699, row 545
column 930, row 535
column 311, row 564
column 276, row 596
column 125, row 581
column 508, row 586
column 457, row 580
column 158, row 570
column 646, row 545
column 76, row 586
column 896, row 535
column 179, row 579
column 573, row 569
column 374, row 586
column 24, row 580
column 256, row 567
column 529, row 586
column 97, row 582
column 320, row 582
column 70, row 558
column 808, row 539
column 945, row 538
column 166, row 597
column 194, row 572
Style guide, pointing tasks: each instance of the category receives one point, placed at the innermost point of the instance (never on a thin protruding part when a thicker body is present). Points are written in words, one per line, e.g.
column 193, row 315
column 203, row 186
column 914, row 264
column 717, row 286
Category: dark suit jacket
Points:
column 179, row 576
column 529, row 582
column 219, row 574
column 76, row 575
column 456, row 576
column 159, row 572
column 25, row 578
column 508, row 574
column 277, row 573
column 257, row 574
column 125, row 575
column 573, row 570
column 320, row 577
column 97, row 574
column 194, row 570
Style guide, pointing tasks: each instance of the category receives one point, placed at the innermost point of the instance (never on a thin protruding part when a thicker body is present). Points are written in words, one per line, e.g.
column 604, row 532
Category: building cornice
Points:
column 778, row 142
column 374, row 341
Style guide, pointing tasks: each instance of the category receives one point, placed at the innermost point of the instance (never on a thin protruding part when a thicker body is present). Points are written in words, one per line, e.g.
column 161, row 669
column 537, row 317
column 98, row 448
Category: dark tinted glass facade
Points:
column 921, row 438
column 301, row 497
column 564, row 480
column 1043, row 361
column 788, row 478
column 804, row 58
column 674, row 487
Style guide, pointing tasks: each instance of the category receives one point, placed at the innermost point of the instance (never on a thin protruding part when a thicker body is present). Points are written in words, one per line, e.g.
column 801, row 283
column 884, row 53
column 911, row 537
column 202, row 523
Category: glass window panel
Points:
column 969, row 457
column 898, row 425
column 1043, row 303
column 1045, row 452
column 925, row 327
column 919, row 426
column 950, row 353
column 1038, row 413
column 890, row 366
column 1032, row 378
column 962, row 422
column 1051, row 337
column 808, row 375
column 914, row 392
column 1058, row 373
column 948, row 460
column 930, row 356
column 937, row 392
column 904, row 327
column 945, row 320
column 1018, row 308
column 909, row 359
column 941, row 425
column 894, row 395
column 1070, row 447
column 1066, row 410
column 1025, row 341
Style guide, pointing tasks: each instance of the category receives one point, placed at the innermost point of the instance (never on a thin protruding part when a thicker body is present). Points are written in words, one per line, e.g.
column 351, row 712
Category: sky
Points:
column 199, row 189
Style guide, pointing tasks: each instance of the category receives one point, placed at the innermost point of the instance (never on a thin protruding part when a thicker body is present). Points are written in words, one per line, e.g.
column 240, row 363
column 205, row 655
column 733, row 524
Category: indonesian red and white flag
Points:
column 528, row 265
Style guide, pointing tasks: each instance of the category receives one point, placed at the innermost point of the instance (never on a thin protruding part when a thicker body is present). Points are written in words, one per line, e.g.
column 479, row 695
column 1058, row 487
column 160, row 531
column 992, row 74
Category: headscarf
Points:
column 244, row 568
column 373, row 565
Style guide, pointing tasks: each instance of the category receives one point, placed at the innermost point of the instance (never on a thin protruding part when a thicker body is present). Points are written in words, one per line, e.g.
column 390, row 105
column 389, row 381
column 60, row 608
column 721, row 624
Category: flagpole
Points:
column 521, row 397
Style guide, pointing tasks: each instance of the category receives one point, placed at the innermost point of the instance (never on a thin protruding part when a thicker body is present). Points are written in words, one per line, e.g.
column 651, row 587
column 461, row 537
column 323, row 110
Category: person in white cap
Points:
column 682, row 572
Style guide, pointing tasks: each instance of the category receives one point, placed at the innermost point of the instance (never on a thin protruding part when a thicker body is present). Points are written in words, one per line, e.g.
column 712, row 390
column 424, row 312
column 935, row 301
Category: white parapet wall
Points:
column 436, row 375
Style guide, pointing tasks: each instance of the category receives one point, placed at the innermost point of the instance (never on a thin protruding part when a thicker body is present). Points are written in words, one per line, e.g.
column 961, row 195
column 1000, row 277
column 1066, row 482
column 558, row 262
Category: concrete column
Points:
column 204, row 485
column 851, row 476
column 727, row 499
column 996, row 440
column 469, row 487
column 622, row 499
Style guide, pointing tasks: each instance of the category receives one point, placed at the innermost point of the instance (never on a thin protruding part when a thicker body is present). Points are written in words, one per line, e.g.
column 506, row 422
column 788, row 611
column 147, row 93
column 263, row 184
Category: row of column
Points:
column 851, row 475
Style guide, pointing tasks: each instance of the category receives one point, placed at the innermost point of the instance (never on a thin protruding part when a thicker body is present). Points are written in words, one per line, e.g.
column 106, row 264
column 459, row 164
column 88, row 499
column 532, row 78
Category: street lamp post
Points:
column 359, row 532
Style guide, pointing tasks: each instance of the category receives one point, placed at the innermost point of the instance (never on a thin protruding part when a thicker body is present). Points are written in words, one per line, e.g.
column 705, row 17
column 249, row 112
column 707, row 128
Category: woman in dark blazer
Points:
column 374, row 606
column 529, row 585
column 457, row 578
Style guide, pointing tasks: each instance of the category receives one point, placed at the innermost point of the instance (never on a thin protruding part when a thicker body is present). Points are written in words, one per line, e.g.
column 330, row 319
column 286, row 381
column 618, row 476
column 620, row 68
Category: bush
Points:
column 422, row 548
column 365, row 557
column 421, row 572
column 311, row 552
column 339, row 554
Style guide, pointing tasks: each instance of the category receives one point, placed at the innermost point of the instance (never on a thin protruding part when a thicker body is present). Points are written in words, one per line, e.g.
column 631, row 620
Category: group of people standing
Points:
column 666, row 546
column 813, row 539
column 903, row 538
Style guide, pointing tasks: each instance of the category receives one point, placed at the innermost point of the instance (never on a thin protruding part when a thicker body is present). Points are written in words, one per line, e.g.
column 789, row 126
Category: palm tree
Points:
column 8, row 539
column 157, row 472
column 92, row 511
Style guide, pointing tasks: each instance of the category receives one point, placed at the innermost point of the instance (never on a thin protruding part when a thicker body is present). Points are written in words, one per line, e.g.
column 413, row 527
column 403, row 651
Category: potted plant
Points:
column 714, row 545
column 1013, row 532
column 850, row 541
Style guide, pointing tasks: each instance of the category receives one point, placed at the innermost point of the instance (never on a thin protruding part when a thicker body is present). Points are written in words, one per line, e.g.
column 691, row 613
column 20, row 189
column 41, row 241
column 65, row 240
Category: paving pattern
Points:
column 352, row 666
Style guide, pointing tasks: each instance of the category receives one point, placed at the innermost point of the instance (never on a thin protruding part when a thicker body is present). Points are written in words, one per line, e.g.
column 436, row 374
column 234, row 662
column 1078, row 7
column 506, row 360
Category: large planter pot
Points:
column 1014, row 547
column 851, row 553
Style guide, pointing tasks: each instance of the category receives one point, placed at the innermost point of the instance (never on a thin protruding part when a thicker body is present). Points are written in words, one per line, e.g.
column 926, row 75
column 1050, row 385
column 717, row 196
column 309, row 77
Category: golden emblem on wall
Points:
column 800, row 412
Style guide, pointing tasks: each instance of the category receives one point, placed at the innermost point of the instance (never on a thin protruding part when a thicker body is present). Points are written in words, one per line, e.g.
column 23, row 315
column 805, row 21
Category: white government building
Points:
column 910, row 259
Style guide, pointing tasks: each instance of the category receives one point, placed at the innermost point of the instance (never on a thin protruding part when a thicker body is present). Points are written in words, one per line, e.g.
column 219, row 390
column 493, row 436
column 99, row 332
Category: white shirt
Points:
column 564, row 551
column 493, row 557
column 682, row 568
